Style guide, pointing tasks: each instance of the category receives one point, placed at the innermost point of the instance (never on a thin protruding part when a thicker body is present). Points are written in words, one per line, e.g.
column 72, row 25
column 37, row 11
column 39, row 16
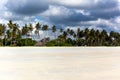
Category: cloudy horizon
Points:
column 98, row 14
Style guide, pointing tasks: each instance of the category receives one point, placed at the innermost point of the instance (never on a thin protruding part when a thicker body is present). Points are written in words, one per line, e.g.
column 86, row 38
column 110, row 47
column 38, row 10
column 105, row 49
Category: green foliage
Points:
column 26, row 42
column 12, row 35
column 51, row 43
column 1, row 44
column 56, row 43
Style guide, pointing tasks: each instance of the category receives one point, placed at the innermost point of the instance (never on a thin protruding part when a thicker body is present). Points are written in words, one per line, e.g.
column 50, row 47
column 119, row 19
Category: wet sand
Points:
column 60, row 63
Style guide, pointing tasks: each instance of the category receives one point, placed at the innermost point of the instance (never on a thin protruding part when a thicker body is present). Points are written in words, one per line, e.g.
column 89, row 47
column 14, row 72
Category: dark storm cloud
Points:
column 106, row 9
column 71, row 19
column 103, row 5
column 106, row 14
column 38, row 6
column 27, row 7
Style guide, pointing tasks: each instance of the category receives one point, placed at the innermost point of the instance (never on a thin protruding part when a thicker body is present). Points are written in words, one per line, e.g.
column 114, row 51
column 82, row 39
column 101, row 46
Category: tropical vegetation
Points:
column 12, row 34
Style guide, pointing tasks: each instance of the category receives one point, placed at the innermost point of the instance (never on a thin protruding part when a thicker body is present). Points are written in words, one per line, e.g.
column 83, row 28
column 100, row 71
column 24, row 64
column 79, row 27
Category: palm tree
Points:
column 78, row 36
column 92, row 37
column 30, row 29
column 8, row 34
column 78, row 33
column 11, row 25
column 19, row 33
column 104, row 36
column 54, row 30
column 4, row 34
column 37, row 29
column 61, row 31
column 25, row 32
column 68, row 32
column 60, row 36
column 65, row 35
column 97, row 37
column 13, row 29
column 2, row 31
column 112, row 35
column 45, row 28
column 74, row 35
column 71, row 32
column 15, row 32
column 86, row 32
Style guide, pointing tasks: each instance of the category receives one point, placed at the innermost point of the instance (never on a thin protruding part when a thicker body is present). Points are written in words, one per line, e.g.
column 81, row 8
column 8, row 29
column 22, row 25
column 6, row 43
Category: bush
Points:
column 26, row 42
column 56, row 43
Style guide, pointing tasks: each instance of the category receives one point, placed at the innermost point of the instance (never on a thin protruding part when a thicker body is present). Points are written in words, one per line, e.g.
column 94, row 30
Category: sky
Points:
column 97, row 14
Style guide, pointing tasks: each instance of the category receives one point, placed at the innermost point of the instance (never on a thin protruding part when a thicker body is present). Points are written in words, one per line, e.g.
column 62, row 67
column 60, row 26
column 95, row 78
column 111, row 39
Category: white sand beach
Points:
column 82, row 63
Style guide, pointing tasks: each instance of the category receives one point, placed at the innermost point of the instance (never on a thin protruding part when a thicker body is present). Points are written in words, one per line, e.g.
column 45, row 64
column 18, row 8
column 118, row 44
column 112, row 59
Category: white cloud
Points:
column 2, row 10
column 119, row 4
column 57, row 11
column 117, row 20
column 2, row 5
column 7, row 14
column 26, row 18
column 76, row 3
column 3, row 21
column 99, row 21
column 112, row 24
column 83, row 12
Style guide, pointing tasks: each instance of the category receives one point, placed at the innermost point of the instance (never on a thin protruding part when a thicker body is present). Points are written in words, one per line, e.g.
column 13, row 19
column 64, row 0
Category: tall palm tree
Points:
column 68, row 32
column 11, row 25
column 45, row 28
column 74, row 35
column 25, row 32
column 97, row 37
column 65, row 35
column 37, row 29
column 13, row 28
column 104, row 36
column 30, row 29
column 19, row 34
column 71, row 32
column 15, row 33
column 60, row 36
column 78, row 33
column 112, row 35
column 87, row 32
column 92, row 37
column 8, row 34
column 54, row 30
column 61, row 30
column 2, row 32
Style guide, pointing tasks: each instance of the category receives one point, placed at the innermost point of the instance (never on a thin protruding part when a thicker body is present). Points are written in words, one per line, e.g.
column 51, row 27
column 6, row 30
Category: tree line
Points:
column 12, row 34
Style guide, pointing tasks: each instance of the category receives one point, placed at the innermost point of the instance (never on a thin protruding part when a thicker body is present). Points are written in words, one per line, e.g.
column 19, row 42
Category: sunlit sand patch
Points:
column 83, row 64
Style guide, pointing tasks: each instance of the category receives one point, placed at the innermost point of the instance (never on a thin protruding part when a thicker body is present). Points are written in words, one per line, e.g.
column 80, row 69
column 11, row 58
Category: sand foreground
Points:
column 60, row 63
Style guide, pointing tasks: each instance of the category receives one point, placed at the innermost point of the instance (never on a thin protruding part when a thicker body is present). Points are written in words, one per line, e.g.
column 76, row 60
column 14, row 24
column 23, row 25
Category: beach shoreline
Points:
column 59, row 49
